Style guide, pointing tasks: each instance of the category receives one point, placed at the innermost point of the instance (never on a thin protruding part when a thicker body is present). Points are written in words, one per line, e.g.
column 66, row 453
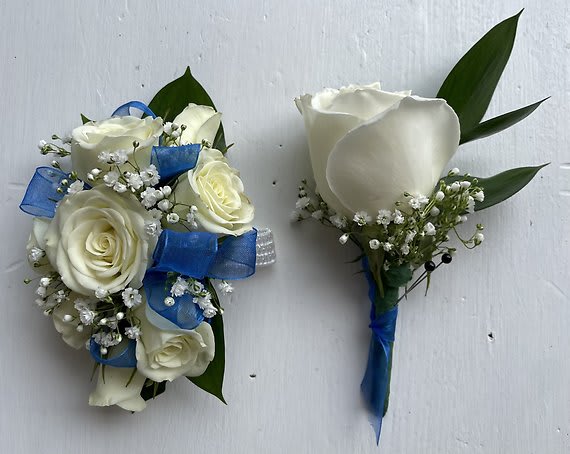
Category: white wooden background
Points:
column 301, row 327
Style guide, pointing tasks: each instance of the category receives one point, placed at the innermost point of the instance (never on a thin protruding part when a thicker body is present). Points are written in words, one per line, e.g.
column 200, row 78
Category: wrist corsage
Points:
column 377, row 161
column 135, row 232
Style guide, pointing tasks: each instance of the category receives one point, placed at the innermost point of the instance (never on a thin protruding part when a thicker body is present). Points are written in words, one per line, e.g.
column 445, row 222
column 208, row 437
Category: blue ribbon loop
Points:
column 126, row 358
column 125, row 109
column 197, row 255
column 41, row 195
column 374, row 386
column 172, row 161
column 184, row 313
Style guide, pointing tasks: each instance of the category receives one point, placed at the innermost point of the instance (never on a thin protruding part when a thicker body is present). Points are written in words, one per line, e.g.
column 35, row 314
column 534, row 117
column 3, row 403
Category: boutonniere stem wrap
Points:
column 379, row 161
column 134, row 241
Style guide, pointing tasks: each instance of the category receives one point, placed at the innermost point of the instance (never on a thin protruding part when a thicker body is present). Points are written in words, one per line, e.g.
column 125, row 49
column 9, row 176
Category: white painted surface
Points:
column 301, row 326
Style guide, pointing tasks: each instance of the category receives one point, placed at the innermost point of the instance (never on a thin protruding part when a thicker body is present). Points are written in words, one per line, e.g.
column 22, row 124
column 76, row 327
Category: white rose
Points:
column 112, row 389
column 97, row 240
column 217, row 191
column 202, row 123
column 166, row 354
column 113, row 134
column 68, row 330
column 368, row 146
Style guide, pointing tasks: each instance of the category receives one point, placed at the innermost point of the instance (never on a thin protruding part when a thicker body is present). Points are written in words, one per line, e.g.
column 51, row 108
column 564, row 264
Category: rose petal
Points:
column 404, row 149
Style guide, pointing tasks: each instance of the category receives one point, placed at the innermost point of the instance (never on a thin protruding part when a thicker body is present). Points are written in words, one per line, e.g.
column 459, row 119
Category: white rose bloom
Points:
column 202, row 123
column 369, row 146
column 113, row 134
column 217, row 191
column 68, row 330
column 113, row 389
column 97, row 240
column 166, row 354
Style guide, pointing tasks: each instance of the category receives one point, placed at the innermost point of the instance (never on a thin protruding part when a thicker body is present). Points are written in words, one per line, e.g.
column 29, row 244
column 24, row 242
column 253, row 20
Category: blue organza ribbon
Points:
column 184, row 313
column 41, row 195
column 125, row 358
column 376, row 379
column 172, row 161
column 125, row 109
column 197, row 255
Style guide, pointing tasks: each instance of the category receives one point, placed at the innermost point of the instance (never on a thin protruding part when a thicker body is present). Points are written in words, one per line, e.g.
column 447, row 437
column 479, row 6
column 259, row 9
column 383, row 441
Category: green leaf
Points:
column 175, row 96
column 151, row 389
column 470, row 85
column 212, row 380
column 498, row 124
column 502, row 186
column 84, row 119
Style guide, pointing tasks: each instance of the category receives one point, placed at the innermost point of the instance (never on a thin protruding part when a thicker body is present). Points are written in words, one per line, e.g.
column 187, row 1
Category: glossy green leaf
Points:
column 212, row 380
column 470, row 85
column 500, row 123
column 175, row 96
column 151, row 389
column 84, row 119
column 502, row 186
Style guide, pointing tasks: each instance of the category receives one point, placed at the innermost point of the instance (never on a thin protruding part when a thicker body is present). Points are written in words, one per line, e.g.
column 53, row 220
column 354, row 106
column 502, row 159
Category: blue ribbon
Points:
column 172, row 161
column 184, row 313
column 126, row 358
column 197, row 255
column 41, row 195
column 376, row 379
column 125, row 109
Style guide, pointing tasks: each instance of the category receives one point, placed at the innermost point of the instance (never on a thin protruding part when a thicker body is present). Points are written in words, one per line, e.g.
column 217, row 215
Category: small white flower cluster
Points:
column 50, row 292
column 172, row 133
column 415, row 230
column 201, row 296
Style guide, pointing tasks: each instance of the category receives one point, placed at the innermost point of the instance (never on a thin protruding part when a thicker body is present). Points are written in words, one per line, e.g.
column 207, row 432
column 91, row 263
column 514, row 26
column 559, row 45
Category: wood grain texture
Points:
column 301, row 326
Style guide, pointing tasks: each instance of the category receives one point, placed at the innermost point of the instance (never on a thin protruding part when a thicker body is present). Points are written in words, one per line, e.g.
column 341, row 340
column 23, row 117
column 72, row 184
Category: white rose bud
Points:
column 359, row 135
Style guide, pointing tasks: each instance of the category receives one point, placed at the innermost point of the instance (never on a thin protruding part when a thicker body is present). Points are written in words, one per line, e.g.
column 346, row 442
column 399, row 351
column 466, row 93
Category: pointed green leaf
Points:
column 498, row 124
column 502, row 186
column 151, row 389
column 84, row 119
column 212, row 380
column 470, row 85
column 175, row 96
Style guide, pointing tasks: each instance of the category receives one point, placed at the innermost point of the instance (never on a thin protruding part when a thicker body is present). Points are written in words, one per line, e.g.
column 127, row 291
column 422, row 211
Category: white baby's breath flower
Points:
column 343, row 238
column 434, row 211
column 166, row 191
column 150, row 176
column 455, row 186
column 418, row 202
column 131, row 297
column 133, row 332
column 120, row 187
column 302, row 203
column 149, row 197
column 180, row 287
column 134, row 180
column 225, row 287
column 362, row 218
column 387, row 246
column 410, row 236
column 439, row 196
column 405, row 249
column 374, row 244
column 465, row 184
column 203, row 300
column 210, row 311
column 340, row 222
column 479, row 196
column 152, row 228
column 111, row 178
column 384, row 217
column 398, row 217
column 172, row 218
column 101, row 293
column 453, row 172
column 478, row 238
column 35, row 254
column 318, row 214
column 169, row 301
column 104, row 157
column 45, row 281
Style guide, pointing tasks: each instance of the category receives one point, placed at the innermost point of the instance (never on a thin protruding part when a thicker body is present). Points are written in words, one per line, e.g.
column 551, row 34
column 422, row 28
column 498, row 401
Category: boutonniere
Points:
column 139, row 224
column 380, row 164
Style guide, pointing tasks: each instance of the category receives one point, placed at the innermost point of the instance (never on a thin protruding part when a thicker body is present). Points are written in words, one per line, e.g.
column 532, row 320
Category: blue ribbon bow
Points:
column 41, row 195
column 125, row 358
